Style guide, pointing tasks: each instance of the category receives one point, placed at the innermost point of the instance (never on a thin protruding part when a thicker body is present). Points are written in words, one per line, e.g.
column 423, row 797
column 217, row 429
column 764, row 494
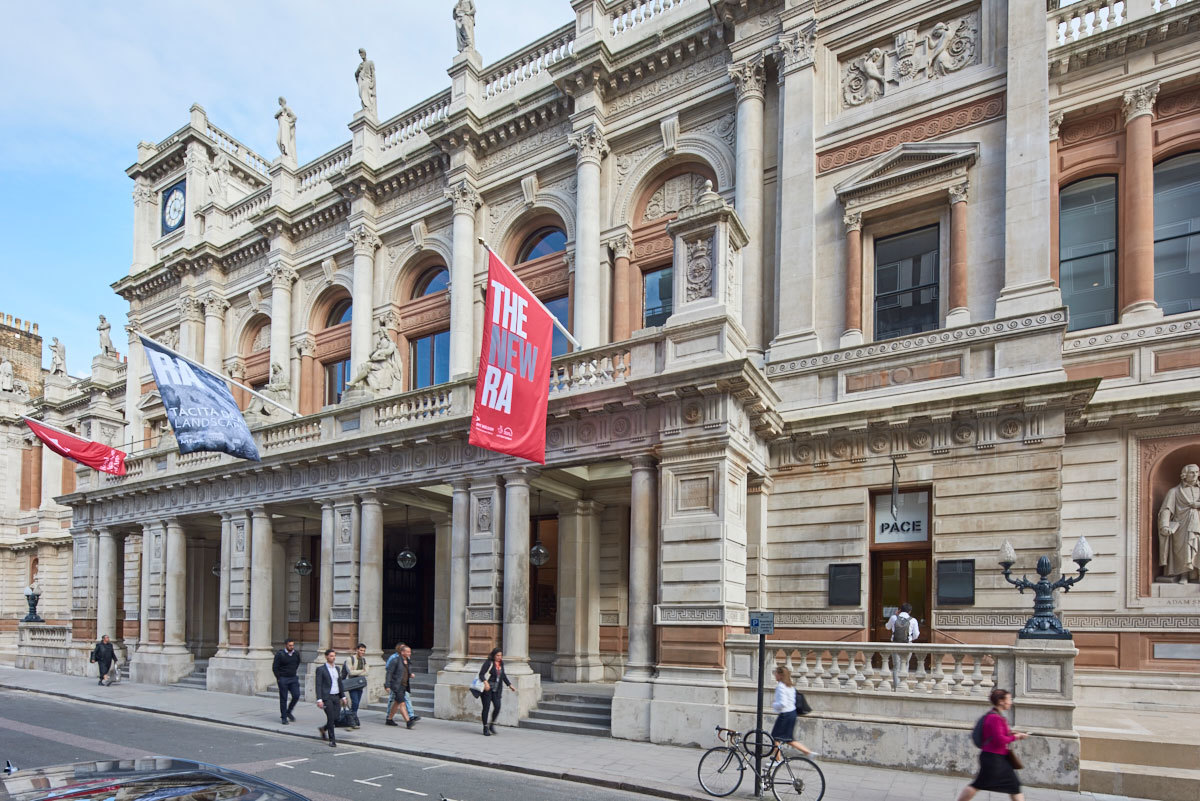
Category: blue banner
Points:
column 199, row 406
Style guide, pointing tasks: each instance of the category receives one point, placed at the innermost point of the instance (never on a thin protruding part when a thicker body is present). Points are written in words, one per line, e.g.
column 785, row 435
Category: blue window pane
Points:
column 430, row 356
column 542, row 242
column 1177, row 234
column 441, row 357
column 340, row 313
column 906, row 283
column 1087, row 252
column 560, row 309
column 336, row 376
column 433, row 282
column 659, row 293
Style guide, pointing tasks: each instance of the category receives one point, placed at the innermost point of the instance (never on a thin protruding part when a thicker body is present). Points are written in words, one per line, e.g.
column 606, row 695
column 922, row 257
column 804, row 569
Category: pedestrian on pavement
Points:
column 406, row 655
column 355, row 666
column 104, row 655
column 996, row 771
column 493, row 667
column 785, row 703
column 904, row 629
column 396, row 679
column 328, row 685
column 285, row 667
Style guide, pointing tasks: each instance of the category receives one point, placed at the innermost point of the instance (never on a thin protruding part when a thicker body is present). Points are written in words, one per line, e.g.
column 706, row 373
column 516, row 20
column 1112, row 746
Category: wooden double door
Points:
column 897, row 577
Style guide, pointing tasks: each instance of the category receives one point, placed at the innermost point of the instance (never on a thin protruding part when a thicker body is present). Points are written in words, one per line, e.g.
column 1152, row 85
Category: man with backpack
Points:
column 905, row 630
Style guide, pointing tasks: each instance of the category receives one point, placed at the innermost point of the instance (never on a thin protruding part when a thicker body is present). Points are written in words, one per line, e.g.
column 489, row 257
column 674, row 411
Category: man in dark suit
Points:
column 328, row 683
column 285, row 668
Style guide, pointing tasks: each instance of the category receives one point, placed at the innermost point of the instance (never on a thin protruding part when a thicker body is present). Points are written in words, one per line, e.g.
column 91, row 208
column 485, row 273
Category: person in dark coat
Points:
column 285, row 668
column 494, row 677
column 328, row 684
column 104, row 655
column 996, row 773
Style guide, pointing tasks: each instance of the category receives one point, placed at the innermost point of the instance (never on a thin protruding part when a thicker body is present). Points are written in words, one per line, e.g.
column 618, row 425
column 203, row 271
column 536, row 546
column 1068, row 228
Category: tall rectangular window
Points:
column 1087, row 251
column 906, row 283
column 430, row 356
column 336, row 376
column 1177, row 234
column 560, row 308
column 659, row 293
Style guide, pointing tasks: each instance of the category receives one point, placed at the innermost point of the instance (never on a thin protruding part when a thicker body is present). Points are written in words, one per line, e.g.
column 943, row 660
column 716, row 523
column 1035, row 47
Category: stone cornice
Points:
column 1118, row 41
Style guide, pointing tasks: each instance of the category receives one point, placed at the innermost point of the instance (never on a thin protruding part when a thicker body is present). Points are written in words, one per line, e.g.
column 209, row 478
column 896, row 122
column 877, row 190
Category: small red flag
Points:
column 92, row 454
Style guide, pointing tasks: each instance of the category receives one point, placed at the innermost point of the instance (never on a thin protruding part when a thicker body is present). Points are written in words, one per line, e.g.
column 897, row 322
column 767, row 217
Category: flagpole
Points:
column 56, row 428
column 557, row 324
column 199, row 366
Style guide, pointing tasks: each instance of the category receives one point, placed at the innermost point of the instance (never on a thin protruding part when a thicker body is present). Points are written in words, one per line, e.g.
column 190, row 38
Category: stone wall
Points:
column 21, row 344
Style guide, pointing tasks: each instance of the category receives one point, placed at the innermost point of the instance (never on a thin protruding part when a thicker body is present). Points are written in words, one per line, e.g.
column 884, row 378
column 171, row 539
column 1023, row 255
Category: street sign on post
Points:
column 762, row 624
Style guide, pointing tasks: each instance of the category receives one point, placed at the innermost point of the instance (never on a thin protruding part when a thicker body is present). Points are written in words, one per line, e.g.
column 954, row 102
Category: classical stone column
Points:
column 144, row 603
column 279, row 587
column 1137, row 280
column 175, row 602
column 749, row 82
column 758, row 490
column 591, row 148
column 191, row 327
column 1055, row 123
column 626, row 309
column 852, row 333
column 578, row 657
column 460, row 571
column 215, row 307
column 107, row 589
column 643, row 582
column 365, row 244
column 145, row 223
column 325, row 624
column 261, row 581
column 133, row 584
column 1027, row 283
column 516, row 572
column 370, row 583
column 462, row 278
column 223, row 589
column 796, row 275
column 283, row 275
column 959, row 313
column 441, row 591
column 135, row 366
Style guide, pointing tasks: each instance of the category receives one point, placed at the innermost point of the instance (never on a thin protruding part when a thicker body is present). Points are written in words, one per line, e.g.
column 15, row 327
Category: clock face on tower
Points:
column 173, row 206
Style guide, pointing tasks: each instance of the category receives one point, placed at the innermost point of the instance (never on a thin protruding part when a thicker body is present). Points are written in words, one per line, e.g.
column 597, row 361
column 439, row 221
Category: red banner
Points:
column 513, row 386
column 93, row 454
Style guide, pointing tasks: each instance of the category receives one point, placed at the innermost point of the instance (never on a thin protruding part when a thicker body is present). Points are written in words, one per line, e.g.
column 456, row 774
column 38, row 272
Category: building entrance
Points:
column 900, row 560
column 408, row 594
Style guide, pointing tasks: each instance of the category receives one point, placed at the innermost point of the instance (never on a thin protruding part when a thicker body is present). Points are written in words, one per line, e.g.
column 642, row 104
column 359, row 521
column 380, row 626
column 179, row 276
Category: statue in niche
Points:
column 1179, row 529
column 286, row 138
column 365, row 76
column 218, row 183
column 6, row 376
column 464, row 24
column 277, row 389
column 381, row 372
column 106, row 345
column 58, row 358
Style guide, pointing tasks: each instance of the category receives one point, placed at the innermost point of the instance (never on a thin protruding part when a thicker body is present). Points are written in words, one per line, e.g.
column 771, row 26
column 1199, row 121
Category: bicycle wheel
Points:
column 797, row 779
column 720, row 770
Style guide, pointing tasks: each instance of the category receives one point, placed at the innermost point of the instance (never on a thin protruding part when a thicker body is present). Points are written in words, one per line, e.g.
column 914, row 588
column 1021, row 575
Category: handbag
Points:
column 478, row 687
column 802, row 707
column 354, row 683
column 1013, row 759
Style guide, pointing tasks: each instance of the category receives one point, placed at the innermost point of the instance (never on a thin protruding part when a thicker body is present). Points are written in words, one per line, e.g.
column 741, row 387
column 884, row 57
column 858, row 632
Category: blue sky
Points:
column 84, row 82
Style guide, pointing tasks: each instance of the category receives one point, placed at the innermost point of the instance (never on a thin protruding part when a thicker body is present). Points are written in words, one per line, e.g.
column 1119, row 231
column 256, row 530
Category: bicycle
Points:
column 789, row 778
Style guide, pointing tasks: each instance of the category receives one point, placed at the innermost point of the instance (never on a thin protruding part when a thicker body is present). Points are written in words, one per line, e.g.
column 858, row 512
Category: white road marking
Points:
column 371, row 780
column 438, row 765
column 288, row 763
column 347, row 752
column 319, row 773
column 413, row 792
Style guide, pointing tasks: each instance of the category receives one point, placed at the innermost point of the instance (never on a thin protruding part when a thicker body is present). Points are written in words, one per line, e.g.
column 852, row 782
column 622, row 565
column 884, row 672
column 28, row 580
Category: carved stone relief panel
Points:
column 699, row 269
column 673, row 195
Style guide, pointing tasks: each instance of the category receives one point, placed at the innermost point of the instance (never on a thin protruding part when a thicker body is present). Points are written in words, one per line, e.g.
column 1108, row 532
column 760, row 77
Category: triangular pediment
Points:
column 150, row 401
column 910, row 165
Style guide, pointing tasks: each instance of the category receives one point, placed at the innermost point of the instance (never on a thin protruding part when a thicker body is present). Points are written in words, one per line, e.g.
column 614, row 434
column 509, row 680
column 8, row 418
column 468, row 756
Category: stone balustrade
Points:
column 590, row 369
column 239, row 151
column 1070, row 22
column 629, row 15
column 250, row 205
column 529, row 63
column 914, row 705
column 422, row 405
column 409, row 124
column 316, row 172
column 294, row 432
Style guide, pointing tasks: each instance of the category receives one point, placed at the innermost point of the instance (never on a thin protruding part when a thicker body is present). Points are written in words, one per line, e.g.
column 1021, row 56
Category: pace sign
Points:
column 911, row 523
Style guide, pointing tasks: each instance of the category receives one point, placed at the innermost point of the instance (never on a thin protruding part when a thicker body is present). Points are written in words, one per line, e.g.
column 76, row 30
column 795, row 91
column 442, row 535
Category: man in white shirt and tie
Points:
column 329, row 695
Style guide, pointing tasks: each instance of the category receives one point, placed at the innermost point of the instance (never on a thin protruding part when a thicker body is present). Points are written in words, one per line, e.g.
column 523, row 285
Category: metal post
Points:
column 758, row 725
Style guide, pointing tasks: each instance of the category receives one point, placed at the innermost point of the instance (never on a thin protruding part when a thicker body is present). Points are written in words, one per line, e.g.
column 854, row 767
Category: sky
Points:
column 84, row 82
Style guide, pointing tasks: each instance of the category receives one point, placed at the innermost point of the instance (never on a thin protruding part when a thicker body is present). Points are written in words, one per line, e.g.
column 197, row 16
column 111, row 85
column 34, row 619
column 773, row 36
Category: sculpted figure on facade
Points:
column 365, row 76
column 381, row 372
column 6, row 376
column 58, row 358
column 218, row 177
column 948, row 47
column 1179, row 529
column 286, row 138
column 106, row 345
column 464, row 24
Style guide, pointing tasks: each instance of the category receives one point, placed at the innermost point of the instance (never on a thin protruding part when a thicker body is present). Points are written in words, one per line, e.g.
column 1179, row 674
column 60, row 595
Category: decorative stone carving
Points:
column 622, row 246
column 590, row 145
column 915, row 57
column 364, row 76
column 218, row 179
column 6, row 375
column 106, row 345
column 529, row 189
column 142, row 193
column 190, row 308
column 724, row 128
column 215, row 304
column 282, row 274
column 364, row 240
column 464, row 197
column 699, row 269
column 382, row 371
column 58, row 358
column 483, row 515
column 1056, row 119
column 464, row 25
column 1140, row 101
column 170, row 338
column 1179, row 529
column 344, row 526
column 419, row 232
column 674, row 194
column 306, row 347
column 669, row 128
column 959, row 192
column 852, row 220
column 749, row 77
column 255, row 298
column 798, row 48
column 286, row 137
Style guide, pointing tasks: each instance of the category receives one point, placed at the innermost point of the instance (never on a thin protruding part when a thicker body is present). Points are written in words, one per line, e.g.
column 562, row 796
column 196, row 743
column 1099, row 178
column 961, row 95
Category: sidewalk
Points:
column 660, row 770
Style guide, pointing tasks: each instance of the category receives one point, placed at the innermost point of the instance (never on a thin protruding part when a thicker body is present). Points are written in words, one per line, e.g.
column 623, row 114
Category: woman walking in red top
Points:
column 995, row 771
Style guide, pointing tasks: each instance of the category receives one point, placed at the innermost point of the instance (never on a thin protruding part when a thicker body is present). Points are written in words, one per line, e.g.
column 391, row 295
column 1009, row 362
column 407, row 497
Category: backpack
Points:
column 977, row 732
column 902, row 630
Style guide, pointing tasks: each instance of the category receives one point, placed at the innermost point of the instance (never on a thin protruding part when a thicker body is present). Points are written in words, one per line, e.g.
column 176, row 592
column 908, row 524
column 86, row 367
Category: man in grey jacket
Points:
column 396, row 678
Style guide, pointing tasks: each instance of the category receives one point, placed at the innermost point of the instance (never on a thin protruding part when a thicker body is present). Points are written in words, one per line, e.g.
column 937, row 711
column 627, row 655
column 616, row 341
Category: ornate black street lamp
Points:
column 303, row 567
column 1045, row 625
column 33, row 593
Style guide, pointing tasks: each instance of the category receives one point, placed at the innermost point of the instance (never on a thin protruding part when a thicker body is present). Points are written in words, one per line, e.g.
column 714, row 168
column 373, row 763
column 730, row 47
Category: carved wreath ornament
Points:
column 947, row 47
column 699, row 270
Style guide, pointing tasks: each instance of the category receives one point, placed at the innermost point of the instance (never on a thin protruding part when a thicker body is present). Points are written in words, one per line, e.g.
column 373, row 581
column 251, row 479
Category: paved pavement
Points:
column 661, row 770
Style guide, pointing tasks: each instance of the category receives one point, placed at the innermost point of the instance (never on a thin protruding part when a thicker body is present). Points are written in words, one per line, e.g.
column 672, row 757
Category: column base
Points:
column 793, row 345
column 1022, row 299
column 851, row 338
column 452, row 699
column 631, row 709
column 579, row 669
column 956, row 318
column 243, row 674
column 161, row 666
column 1143, row 311
column 687, row 704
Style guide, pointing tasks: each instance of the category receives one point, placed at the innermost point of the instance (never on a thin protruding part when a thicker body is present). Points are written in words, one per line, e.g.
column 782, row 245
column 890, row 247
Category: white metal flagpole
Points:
column 557, row 324
column 199, row 366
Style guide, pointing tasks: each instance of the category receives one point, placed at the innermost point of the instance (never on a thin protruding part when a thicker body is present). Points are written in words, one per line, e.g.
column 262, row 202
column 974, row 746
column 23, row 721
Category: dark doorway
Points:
column 408, row 594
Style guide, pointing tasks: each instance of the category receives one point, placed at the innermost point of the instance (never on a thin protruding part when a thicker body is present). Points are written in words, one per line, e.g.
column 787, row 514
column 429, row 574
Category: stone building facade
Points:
column 803, row 249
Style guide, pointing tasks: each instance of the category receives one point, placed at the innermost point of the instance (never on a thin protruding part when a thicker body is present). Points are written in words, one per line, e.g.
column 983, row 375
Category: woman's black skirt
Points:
column 784, row 729
column 996, row 774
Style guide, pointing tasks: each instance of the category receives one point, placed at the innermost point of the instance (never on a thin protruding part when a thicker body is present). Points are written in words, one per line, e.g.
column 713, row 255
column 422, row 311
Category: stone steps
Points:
column 198, row 678
column 567, row 712
column 1139, row 781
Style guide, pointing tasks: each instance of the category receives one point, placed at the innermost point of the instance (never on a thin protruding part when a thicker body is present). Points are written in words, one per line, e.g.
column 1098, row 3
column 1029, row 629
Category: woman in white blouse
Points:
column 784, row 730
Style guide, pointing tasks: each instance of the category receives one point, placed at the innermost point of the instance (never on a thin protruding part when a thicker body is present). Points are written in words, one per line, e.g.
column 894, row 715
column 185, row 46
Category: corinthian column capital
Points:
column 1139, row 101
column 364, row 240
column 215, row 304
column 282, row 275
column 749, row 77
column 852, row 220
column 590, row 144
column 464, row 197
column 959, row 192
column 1056, row 120
column 622, row 246
column 142, row 193
column 189, row 308
column 797, row 49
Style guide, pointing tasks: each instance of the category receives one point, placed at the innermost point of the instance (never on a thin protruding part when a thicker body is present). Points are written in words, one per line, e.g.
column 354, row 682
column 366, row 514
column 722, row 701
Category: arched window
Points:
column 542, row 242
column 333, row 350
column 432, row 282
column 1177, row 234
column 1087, row 251
column 341, row 312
